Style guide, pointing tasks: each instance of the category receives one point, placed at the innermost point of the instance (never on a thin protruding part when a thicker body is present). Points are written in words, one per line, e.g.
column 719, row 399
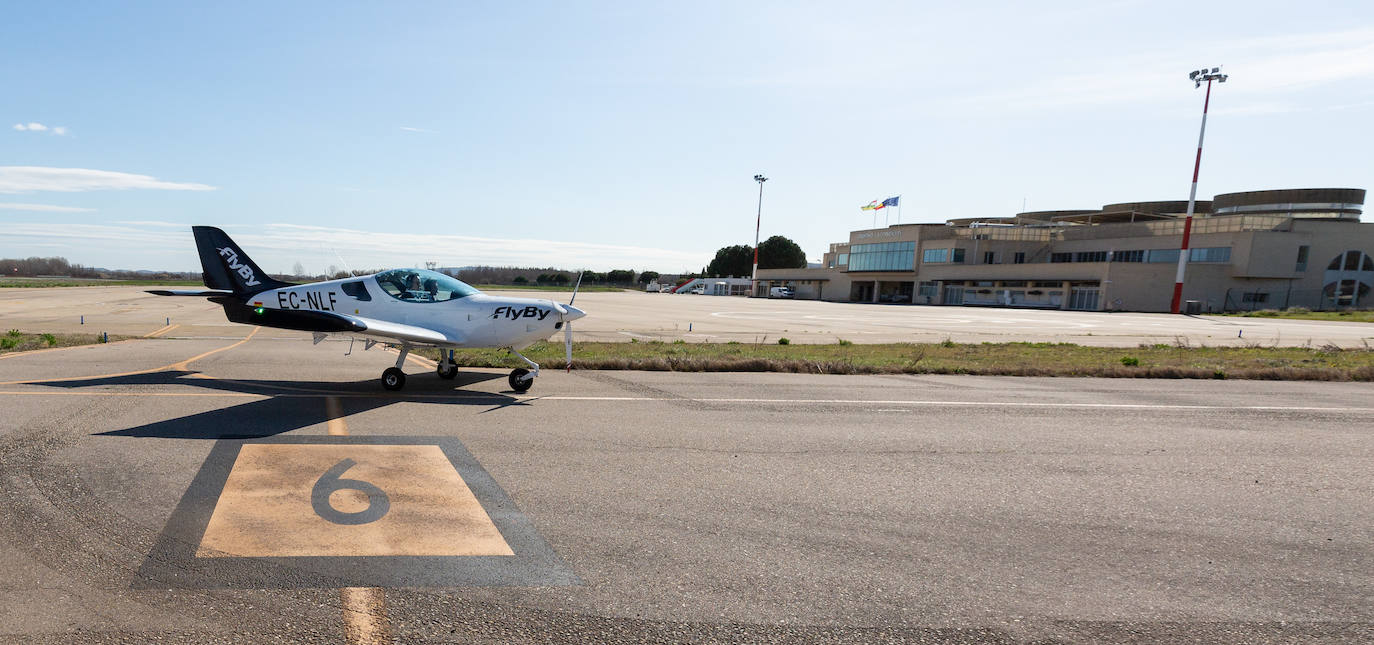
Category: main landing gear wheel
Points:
column 394, row 379
column 447, row 373
column 517, row 380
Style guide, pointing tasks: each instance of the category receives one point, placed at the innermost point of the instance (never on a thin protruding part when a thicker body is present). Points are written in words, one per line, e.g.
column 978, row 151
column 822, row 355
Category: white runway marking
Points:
column 721, row 401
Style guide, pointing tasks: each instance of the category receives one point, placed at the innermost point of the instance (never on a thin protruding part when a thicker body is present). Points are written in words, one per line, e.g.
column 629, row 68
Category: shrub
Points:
column 784, row 341
column 14, row 333
column 8, row 342
column 1130, row 361
column 846, row 342
column 50, row 339
column 947, row 343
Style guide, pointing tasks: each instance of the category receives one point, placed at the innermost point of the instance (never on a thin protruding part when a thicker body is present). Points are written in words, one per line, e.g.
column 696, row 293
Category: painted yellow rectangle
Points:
column 265, row 508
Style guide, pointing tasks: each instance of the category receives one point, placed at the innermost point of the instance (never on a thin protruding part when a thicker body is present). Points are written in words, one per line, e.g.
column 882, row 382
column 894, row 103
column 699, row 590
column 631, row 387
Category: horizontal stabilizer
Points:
column 205, row 293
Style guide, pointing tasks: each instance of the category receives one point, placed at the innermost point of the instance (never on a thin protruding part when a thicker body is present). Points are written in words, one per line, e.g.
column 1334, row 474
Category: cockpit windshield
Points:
column 421, row 285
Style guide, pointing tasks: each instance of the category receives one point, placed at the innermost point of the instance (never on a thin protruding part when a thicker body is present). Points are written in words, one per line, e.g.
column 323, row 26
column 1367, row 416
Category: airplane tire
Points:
column 447, row 374
column 393, row 379
column 517, row 380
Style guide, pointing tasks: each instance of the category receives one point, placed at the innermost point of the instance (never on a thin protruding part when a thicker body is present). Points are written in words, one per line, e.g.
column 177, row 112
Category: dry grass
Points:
column 999, row 359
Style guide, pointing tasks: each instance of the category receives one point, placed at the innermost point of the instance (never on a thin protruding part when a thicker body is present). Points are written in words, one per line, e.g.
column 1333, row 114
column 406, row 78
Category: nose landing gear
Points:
column 447, row 369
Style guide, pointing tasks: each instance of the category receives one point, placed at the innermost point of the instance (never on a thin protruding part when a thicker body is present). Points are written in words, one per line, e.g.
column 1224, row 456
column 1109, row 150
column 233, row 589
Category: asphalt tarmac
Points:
column 622, row 316
column 267, row 490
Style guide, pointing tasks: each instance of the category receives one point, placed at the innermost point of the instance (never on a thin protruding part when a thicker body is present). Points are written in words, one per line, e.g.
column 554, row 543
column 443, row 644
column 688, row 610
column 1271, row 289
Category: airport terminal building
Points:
column 1252, row 250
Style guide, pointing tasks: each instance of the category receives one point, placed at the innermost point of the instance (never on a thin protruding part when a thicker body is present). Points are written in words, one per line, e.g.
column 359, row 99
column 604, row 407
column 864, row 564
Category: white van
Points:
column 780, row 292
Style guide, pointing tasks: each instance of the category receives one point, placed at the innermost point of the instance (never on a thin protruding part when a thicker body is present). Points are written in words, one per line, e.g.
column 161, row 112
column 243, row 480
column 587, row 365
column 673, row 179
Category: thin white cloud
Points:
column 34, row 126
column 25, row 179
column 1259, row 67
column 168, row 245
column 410, row 129
column 44, row 208
column 378, row 249
column 152, row 222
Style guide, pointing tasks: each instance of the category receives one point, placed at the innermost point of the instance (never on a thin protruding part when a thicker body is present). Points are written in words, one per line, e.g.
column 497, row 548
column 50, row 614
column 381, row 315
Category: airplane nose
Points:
column 573, row 313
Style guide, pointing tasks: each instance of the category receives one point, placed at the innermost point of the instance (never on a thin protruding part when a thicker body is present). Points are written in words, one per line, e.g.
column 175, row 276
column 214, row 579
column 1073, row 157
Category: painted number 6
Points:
column 377, row 502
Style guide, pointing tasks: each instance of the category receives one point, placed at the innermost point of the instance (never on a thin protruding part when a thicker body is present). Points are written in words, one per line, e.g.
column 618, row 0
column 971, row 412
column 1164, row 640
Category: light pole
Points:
column 754, row 279
column 1197, row 77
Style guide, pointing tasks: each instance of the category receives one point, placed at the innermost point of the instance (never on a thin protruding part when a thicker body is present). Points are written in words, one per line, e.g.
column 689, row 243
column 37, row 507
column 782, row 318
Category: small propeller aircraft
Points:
column 403, row 308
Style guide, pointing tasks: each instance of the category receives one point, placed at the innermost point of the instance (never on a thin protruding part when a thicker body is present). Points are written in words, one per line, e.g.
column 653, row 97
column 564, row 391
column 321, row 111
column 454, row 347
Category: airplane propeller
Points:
column 567, row 322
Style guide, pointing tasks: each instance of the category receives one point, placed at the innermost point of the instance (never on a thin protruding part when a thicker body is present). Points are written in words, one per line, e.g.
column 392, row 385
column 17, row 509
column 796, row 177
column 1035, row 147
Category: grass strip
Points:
column 17, row 341
column 1299, row 313
column 1328, row 363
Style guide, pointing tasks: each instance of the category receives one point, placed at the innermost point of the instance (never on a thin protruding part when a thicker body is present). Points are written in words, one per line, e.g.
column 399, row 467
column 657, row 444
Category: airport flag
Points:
column 891, row 201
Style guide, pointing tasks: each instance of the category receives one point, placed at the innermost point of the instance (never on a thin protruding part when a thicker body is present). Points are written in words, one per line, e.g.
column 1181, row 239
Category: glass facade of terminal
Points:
column 883, row 256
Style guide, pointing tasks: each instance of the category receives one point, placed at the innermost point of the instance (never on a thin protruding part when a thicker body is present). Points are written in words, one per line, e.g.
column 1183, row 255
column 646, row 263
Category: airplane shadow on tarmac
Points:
column 290, row 405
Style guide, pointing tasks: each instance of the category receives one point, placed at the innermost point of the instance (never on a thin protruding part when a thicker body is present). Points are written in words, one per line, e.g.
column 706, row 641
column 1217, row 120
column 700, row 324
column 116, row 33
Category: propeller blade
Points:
column 567, row 338
column 574, row 297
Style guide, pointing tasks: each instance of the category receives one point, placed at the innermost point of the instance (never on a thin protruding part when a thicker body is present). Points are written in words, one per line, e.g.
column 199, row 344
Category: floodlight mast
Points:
column 754, row 279
column 1197, row 77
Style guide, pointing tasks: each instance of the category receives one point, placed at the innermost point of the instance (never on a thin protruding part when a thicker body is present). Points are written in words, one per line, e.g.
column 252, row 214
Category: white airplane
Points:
column 404, row 308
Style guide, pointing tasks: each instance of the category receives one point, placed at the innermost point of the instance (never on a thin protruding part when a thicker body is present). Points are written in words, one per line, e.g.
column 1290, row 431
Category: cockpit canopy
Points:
column 421, row 285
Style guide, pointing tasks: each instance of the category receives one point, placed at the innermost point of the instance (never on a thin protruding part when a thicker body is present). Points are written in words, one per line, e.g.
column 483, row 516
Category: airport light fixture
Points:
column 754, row 279
column 1198, row 77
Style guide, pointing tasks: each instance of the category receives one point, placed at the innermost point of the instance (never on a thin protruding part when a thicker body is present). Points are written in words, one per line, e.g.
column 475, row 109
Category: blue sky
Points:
column 625, row 135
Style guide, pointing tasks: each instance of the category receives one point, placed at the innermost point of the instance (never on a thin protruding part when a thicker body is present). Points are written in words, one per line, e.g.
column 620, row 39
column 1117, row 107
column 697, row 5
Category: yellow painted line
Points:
column 185, row 365
column 364, row 608
column 364, row 615
column 60, row 349
column 182, row 366
column 159, row 332
column 337, row 426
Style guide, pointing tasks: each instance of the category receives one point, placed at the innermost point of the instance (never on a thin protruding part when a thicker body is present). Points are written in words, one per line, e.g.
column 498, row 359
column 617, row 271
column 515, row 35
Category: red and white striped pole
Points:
column 1197, row 78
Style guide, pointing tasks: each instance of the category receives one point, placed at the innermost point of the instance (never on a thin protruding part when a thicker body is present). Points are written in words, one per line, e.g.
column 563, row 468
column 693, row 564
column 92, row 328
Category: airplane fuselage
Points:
column 476, row 320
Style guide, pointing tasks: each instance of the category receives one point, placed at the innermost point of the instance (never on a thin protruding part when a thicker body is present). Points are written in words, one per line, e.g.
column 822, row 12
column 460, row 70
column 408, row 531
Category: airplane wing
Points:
column 399, row 331
column 320, row 322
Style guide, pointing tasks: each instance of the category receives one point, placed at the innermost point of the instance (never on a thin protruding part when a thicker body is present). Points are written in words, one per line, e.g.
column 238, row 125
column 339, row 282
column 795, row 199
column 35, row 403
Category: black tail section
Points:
column 227, row 267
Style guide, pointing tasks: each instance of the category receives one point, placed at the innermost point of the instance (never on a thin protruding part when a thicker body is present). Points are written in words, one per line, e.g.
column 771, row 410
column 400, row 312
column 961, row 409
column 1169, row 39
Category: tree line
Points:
column 58, row 266
column 776, row 252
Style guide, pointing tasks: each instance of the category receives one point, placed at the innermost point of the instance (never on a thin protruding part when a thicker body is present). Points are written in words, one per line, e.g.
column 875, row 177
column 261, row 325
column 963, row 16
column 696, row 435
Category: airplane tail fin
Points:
column 227, row 267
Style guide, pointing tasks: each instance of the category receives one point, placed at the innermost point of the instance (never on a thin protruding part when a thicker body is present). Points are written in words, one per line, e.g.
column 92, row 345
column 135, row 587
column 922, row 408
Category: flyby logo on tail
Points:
column 232, row 259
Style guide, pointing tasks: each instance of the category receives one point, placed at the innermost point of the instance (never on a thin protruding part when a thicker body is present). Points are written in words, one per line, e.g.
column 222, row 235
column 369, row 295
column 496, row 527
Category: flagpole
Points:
column 899, row 210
